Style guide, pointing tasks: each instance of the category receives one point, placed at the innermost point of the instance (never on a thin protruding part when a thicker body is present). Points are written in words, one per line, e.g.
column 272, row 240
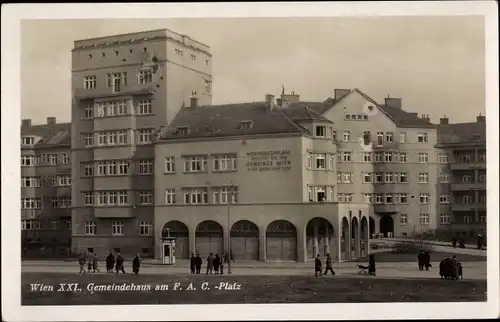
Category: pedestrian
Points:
column 119, row 264
column 460, row 270
column 216, row 264
column 328, row 264
column 454, row 268
column 110, row 262
column 427, row 262
column 231, row 255
column 421, row 260
column 136, row 263
column 198, row 263
column 89, row 265
column 317, row 266
column 479, row 241
column 442, row 267
column 221, row 265
column 210, row 264
column 371, row 265
column 454, row 242
column 81, row 262
column 95, row 263
column 192, row 263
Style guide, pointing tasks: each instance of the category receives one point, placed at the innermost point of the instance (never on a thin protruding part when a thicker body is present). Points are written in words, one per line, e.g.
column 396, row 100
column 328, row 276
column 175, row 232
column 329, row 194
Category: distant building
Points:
column 125, row 88
column 462, row 166
column 46, row 187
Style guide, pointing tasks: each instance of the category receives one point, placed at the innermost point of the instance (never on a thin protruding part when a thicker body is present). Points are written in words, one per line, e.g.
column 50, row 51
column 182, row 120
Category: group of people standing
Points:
column 451, row 268
column 112, row 261
column 214, row 263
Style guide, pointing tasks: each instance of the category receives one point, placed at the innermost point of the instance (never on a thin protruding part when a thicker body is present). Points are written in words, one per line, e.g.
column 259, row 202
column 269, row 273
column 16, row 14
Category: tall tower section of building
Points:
column 124, row 89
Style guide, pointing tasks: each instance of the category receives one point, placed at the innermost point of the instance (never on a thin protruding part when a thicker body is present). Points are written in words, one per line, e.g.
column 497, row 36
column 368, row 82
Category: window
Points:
column 482, row 156
column 347, row 136
column 402, row 157
column 379, row 198
column 467, row 200
column 320, row 194
column 467, row 219
column 482, row 178
column 346, row 156
column 379, row 157
column 112, row 198
column 145, row 76
column 146, row 228
column 444, row 177
column 367, row 177
column 208, row 87
column 31, row 182
column 443, row 158
column 321, row 131
column 88, row 112
column 27, row 161
column 424, row 198
column 367, row 198
column 379, row 178
column 145, row 107
column 193, row 57
column 444, row 199
column 116, row 81
column 88, row 139
column 309, row 161
column 146, row 167
column 226, row 162
column 320, row 162
column 90, row 228
column 482, row 219
column 65, row 202
column 444, row 219
column 145, row 136
column 169, row 165
column 423, row 158
column 28, row 140
column 178, row 52
column 403, row 198
column 27, row 224
column 53, row 159
column 196, row 196
column 346, row 177
column 388, row 156
column 390, row 177
column 88, row 198
column 466, row 179
column 403, row 219
column 367, row 157
column 388, row 198
column 63, row 181
column 348, row 116
column 389, row 137
column 170, row 196
column 225, row 195
column 422, row 138
column 117, row 228
column 466, row 159
column 65, row 158
column 423, row 178
column 54, row 224
column 206, row 61
column 38, row 224
column 344, row 197
column 310, row 193
column 334, row 135
column 68, row 225
column 89, row 82
column 55, row 203
column 402, row 137
column 195, row 164
column 145, row 197
column 424, row 219
column 380, row 138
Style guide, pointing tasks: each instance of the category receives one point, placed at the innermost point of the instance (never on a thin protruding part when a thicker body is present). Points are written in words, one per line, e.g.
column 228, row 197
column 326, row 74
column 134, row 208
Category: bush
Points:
column 410, row 248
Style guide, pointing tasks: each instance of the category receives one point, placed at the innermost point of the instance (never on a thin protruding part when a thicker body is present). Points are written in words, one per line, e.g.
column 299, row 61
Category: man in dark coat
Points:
column 136, row 263
column 371, row 265
column 221, row 264
column 479, row 241
column 421, row 260
column 454, row 242
column 328, row 264
column 317, row 266
column 442, row 268
column 119, row 264
column 427, row 261
column 453, row 268
column 199, row 261
column 110, row 262
column 210, row 264
column 192, row 263
column 95, row 263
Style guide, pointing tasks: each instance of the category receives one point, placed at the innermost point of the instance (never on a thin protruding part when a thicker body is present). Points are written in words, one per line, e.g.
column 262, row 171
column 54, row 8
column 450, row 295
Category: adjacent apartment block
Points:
column 462, row 175
column 46, row 187
column 124, row 89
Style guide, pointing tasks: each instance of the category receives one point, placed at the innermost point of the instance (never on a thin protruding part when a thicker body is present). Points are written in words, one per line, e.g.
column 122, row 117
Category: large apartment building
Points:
column 125, row 88
column 46, row 187
column 462, row 176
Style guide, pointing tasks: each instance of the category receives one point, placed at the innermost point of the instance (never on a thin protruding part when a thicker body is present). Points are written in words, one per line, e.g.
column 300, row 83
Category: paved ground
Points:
column 472, row 270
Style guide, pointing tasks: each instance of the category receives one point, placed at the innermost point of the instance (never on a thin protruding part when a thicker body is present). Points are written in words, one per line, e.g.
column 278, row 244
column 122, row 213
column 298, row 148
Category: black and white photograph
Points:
column 210, row 161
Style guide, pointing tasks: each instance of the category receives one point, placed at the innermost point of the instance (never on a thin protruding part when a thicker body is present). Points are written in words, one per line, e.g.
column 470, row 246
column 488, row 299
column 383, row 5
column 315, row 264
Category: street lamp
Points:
column 229, row 228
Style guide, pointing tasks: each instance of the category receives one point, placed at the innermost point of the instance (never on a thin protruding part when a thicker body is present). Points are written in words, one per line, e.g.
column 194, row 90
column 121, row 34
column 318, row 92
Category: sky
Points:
column 435, row 64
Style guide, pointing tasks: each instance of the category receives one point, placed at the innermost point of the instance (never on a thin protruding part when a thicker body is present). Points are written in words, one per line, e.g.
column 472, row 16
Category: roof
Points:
column 404, row 118
column 457, row 133
column 51, row 134
column 226, row 120
column 302, row 112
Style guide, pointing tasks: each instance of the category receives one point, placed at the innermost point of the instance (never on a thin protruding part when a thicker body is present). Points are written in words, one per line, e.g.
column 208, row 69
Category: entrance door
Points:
column 281, row 241
column 386, row 225
column 166, row 253
column 209, row 244
column 245, row 240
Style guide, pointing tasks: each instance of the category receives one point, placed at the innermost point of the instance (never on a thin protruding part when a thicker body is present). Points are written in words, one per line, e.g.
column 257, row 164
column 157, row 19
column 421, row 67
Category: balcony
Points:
column 468, row 207
column 468, row 186
column 468, row 166
column 386, row 208
column 82, row 94
column 114, row 212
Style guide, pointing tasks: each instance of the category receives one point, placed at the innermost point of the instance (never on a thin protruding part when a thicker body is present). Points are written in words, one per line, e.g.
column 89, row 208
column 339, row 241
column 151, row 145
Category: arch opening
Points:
column 281, row 241
column 319, row 237
column 209, row 238
column 245, row 240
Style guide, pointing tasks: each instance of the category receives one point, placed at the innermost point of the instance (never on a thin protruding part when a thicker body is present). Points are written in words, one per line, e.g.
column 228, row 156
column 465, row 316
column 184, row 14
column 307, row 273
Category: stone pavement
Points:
column 472, row 270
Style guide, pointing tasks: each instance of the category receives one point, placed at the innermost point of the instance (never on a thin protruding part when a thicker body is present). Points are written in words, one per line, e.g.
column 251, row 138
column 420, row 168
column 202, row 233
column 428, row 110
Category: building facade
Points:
column 45, row 188
column 462, row 176
column 125, row 88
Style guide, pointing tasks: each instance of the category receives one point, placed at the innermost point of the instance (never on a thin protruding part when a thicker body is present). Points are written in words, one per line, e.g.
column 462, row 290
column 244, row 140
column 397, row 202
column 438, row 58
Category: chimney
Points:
column 339, row 93
column 481, row 118
column 394, row 102
column 444, row 120
column 270, row 101
column 194, row 100
column 51, row 120
column 26, row 122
